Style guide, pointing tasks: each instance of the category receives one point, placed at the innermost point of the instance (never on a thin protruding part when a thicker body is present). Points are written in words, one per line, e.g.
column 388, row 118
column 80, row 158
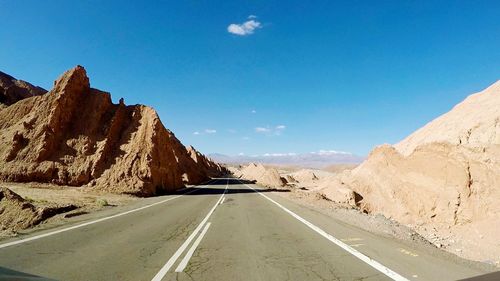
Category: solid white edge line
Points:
column 5, row 245
column 189, row 254
column 222, row 200
column 163, row 271
column 373, row 263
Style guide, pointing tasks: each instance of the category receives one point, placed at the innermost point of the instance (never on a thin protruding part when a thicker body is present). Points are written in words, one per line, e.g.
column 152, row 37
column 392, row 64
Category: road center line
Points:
column 373, row 263
column 163, row 271
column 189, row 254
column 5, row 245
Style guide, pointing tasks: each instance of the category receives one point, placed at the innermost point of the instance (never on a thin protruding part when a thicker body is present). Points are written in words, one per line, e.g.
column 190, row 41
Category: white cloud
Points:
column 245, row 28
column 241, row 154
column 254, row 111
column 232, row 131
column 331, row 152
column 277, row 130
column 210, row 131
column 245, row 138
column 196, row 133
column 279, row 154
column 262, row 130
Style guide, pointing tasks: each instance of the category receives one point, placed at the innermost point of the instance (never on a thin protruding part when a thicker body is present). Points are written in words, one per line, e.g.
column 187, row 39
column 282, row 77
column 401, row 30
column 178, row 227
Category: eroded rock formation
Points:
column 74, row 135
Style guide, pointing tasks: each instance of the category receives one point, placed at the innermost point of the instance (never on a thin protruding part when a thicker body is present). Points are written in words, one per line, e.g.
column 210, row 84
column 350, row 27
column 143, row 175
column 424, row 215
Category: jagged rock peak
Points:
column 74, row 80
column 76, row 136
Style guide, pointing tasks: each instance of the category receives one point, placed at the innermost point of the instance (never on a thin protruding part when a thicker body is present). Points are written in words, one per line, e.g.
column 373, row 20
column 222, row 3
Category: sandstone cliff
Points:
column 75, row 135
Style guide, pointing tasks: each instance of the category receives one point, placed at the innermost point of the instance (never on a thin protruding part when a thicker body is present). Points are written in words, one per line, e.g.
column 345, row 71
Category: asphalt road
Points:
column 226, row 230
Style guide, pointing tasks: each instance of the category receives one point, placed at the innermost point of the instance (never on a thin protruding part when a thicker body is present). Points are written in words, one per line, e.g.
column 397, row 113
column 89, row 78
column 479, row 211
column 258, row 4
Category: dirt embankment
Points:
column 443, row 179
column 16, row 213
column 24, row 206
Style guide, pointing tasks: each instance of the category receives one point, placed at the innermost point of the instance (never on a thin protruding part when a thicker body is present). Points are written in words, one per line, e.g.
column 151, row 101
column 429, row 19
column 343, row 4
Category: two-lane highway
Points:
column 227, row 230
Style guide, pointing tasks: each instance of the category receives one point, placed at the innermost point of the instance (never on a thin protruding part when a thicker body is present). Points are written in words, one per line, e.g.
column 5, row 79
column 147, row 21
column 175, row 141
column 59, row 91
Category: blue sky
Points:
column 312, row 75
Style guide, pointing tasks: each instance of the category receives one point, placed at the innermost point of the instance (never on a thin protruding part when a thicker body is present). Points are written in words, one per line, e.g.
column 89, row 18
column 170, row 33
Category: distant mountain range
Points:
column 320, row 159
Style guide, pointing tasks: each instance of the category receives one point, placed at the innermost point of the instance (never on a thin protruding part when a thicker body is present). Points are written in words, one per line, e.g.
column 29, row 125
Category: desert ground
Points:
column 245, row 227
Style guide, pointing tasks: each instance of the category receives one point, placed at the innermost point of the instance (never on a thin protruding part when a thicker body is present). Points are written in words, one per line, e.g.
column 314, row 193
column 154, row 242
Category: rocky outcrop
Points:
column 205, row 165
column 266, row 176
column 444, row 179
column 304, row 176
column 13, row 90
column 74, row 135
column 340, row 195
